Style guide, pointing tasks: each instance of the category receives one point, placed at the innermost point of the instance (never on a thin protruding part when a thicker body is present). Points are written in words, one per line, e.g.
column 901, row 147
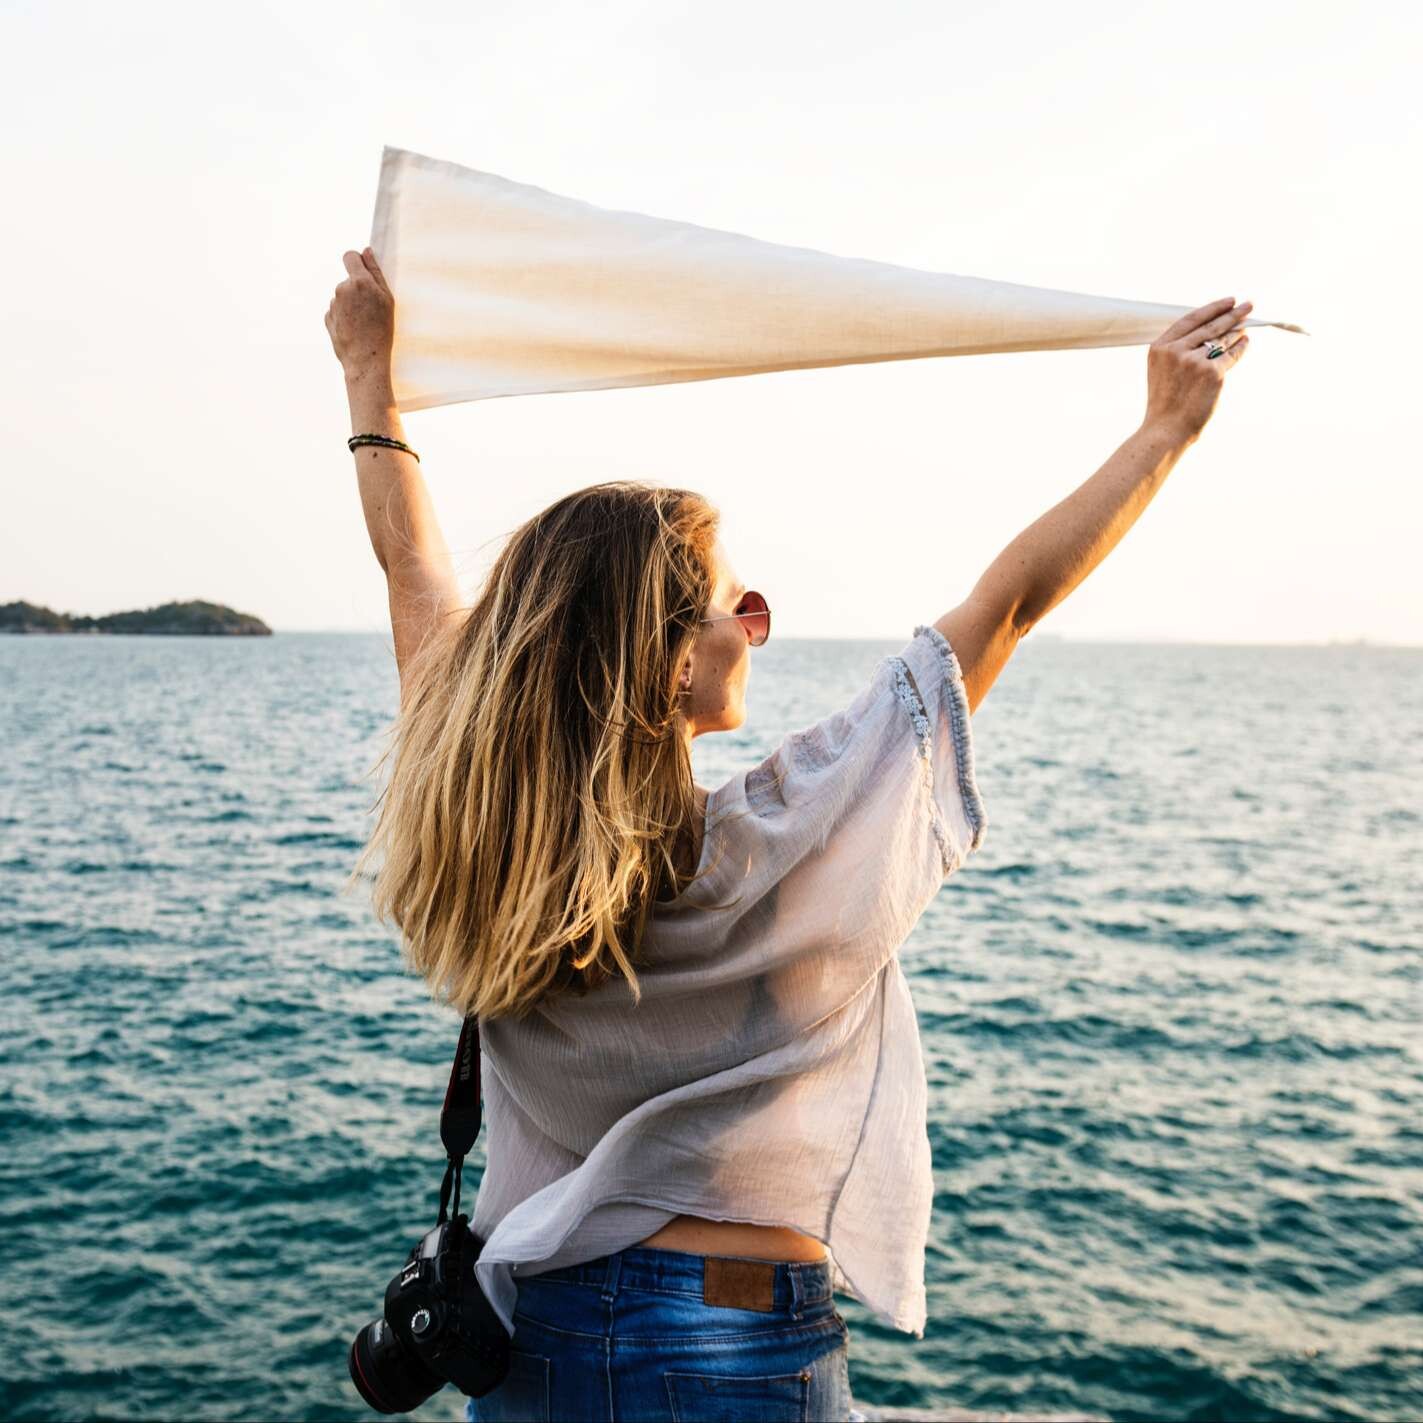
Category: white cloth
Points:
column 506, row 289
column 772, row 1072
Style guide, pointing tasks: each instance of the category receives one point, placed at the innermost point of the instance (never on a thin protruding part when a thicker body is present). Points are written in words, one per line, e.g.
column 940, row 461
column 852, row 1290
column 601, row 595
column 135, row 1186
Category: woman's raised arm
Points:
column 1056, row 552
column 400, row 518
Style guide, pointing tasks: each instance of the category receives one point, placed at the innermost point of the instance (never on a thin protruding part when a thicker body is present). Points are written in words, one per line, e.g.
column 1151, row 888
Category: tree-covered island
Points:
column 187, row 619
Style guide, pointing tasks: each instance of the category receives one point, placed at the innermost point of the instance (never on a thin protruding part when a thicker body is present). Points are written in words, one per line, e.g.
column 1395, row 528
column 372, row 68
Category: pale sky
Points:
column 182, row 179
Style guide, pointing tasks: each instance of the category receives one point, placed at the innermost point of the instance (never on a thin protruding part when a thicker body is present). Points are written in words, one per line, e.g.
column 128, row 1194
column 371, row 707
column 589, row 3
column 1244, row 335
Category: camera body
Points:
column 437, row 1328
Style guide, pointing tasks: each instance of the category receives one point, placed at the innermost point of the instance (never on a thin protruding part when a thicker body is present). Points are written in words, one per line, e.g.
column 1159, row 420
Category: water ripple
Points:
column 1169, row 1020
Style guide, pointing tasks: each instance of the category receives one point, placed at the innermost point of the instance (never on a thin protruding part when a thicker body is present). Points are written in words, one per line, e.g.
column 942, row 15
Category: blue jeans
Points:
column 648, row 1334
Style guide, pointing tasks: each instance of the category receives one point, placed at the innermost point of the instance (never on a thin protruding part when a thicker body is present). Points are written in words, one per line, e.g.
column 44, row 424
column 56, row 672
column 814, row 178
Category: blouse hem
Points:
column 894, row 1319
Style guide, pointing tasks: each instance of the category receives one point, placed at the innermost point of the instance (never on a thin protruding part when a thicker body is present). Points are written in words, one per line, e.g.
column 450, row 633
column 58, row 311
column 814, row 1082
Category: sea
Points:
column 1170, row 1013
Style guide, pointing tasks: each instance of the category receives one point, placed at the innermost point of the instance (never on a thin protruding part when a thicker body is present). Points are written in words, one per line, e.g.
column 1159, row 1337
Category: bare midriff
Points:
column 698, row 1236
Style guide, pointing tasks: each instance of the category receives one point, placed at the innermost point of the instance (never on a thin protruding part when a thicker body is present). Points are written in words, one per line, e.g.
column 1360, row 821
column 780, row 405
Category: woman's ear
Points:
column 684, row 682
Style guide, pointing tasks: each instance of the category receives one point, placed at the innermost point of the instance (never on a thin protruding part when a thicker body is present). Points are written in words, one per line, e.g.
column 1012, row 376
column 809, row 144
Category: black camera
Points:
column 438, row 1327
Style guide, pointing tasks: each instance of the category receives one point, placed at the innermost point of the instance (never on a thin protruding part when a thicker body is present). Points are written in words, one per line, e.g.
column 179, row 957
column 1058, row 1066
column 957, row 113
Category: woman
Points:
column 703, row 1089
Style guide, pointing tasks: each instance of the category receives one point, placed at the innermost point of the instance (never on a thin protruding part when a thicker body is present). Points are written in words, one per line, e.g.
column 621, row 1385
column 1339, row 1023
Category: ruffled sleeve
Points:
column 819, row 861
column 858, row 819
column 929, row 684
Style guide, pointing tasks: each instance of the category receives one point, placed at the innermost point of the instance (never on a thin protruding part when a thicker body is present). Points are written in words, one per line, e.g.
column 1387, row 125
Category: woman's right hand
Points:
column 361, row 318
column 1183, row 383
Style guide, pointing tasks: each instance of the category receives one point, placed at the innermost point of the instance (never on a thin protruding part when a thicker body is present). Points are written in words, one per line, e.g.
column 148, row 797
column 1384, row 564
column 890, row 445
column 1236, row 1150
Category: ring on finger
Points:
column 1229, row 341
column 1218, row 345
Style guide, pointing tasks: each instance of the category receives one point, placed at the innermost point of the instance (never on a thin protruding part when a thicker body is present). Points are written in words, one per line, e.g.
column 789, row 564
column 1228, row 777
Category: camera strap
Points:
column 461, row 1115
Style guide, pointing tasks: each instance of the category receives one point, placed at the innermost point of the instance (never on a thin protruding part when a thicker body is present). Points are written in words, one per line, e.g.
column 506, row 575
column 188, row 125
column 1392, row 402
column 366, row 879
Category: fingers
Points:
column 364, row 264
column 1209, row 340
column 1236, row 345
column 369, row 257
column 1192, row 319
column 1212, row 330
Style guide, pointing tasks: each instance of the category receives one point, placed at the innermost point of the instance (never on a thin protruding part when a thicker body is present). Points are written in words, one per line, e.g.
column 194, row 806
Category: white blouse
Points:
column 772, row 1071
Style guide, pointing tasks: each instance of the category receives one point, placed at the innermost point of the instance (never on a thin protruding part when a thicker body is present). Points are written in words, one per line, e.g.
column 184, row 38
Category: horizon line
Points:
column 1028, row 639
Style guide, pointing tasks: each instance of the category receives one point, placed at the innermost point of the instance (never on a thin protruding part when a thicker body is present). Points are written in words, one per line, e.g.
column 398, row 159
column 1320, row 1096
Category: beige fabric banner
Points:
column 506, row 289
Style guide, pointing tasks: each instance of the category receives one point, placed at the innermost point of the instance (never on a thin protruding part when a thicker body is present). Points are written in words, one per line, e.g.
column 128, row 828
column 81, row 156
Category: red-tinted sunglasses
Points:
column 756, row 614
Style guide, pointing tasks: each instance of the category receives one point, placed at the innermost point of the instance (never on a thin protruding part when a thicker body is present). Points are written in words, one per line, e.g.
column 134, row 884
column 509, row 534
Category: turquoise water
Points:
column 1170, row 1017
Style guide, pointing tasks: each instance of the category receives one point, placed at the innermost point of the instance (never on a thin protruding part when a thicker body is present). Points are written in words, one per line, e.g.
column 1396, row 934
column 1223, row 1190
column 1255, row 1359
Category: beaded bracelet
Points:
column 380, row 440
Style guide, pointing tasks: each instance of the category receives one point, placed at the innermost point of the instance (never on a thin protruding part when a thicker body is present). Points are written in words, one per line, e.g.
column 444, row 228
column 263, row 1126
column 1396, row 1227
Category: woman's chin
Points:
column 729, row 721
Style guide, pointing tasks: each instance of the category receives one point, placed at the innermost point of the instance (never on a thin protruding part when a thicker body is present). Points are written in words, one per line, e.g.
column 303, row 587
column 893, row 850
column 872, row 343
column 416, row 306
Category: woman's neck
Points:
column 687, row 854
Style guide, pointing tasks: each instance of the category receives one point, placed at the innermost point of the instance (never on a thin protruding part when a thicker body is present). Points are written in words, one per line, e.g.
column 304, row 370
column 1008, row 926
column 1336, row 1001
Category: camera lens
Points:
column 386, row 1374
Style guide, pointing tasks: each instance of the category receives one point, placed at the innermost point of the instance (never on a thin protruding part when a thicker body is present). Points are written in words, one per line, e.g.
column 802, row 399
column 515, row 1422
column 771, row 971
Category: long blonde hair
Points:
column 541, row 796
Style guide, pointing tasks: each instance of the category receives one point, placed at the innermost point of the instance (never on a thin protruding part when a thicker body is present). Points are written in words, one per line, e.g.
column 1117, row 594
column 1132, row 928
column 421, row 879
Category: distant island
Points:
column 185, row 619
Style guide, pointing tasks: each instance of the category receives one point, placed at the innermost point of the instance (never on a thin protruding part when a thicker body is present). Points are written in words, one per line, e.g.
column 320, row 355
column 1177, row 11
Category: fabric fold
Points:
column 506, row 289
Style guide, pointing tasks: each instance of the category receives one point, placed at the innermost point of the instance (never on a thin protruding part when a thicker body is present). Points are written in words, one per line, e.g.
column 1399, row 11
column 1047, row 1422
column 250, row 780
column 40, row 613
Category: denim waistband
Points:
column 796, row 1282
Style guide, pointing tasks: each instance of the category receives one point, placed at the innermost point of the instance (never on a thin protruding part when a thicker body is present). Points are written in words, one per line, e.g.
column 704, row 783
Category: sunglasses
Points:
column 757, row 615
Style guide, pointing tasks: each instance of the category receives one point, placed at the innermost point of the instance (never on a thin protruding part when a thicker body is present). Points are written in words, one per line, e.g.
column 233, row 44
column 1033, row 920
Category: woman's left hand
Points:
column 361, row 318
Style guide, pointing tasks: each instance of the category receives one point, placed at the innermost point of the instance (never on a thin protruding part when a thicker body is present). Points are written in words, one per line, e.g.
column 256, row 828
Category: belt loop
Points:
column 611, row 1275
column 797, row 1290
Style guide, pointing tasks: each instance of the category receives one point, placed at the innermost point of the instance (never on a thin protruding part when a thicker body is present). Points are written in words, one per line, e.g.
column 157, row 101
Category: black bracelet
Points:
column 380, row 440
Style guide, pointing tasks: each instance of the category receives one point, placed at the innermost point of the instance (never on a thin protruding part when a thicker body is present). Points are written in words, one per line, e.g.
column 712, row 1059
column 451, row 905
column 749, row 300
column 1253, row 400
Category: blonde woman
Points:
column 704, row 1096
